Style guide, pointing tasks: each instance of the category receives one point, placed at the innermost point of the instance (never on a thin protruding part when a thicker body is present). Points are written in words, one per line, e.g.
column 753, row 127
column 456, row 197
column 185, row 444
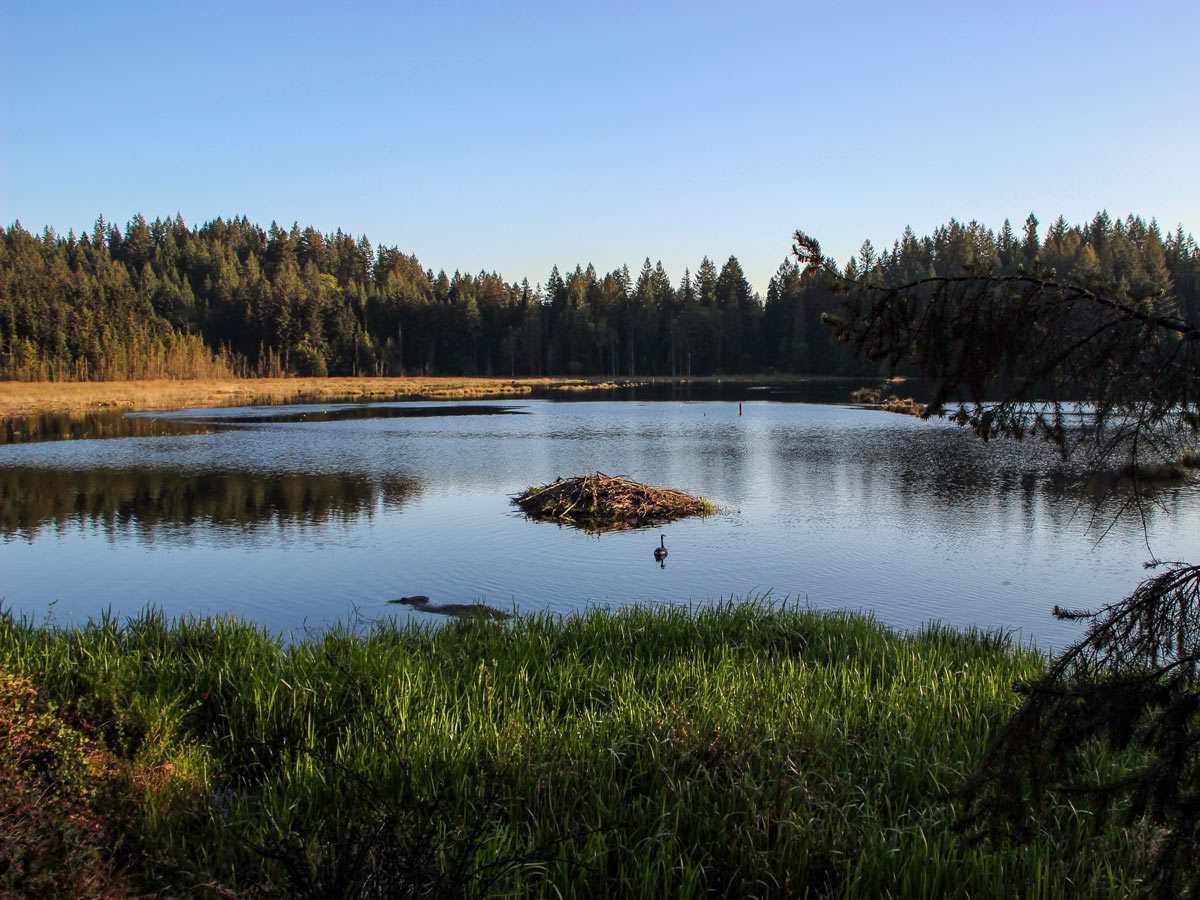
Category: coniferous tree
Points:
column 121, row 302
column 1013, row 355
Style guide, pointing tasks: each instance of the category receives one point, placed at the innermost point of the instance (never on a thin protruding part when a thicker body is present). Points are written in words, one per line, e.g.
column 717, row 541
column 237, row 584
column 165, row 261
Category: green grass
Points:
column 742, row 750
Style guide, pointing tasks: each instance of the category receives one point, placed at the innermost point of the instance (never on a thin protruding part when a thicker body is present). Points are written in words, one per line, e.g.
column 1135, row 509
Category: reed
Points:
column 732, row 749
column 22, row 398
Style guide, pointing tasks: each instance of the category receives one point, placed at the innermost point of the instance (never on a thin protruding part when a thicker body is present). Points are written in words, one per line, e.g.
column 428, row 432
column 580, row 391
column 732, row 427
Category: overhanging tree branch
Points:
column 1028, row 355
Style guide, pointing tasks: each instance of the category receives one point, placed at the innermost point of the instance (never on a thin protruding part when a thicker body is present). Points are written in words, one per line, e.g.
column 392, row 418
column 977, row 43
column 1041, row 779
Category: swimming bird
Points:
column 660, row 552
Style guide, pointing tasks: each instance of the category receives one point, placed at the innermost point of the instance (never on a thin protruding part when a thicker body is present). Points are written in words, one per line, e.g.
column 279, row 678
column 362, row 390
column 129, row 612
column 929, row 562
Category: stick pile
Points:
column 601, row 502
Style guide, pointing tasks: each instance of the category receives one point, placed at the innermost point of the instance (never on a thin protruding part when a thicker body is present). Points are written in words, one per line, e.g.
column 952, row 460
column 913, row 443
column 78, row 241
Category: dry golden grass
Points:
column 19, row 398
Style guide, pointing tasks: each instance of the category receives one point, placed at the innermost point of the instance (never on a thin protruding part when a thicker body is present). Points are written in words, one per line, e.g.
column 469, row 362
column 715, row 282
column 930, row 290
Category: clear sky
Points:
column 511, row 136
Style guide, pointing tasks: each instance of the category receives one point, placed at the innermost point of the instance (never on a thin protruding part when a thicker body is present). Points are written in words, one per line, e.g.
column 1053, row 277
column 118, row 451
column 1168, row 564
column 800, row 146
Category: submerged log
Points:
column 455, row 610
column 600, row 502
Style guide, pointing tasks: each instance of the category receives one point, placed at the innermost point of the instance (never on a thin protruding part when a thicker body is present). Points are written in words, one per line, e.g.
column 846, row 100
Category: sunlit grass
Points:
column 731, row 750
column 26, row 398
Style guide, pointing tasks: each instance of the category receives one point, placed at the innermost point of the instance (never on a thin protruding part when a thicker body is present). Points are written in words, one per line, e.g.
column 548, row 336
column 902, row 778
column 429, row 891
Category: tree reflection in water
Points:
column 144, row 498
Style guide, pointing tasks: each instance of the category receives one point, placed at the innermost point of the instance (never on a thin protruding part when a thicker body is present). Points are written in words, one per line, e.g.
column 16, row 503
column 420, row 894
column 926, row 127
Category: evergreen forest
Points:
column 164, row 300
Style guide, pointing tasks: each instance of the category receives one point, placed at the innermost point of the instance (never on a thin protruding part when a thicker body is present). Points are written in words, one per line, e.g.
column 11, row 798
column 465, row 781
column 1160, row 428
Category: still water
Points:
column 302, row 515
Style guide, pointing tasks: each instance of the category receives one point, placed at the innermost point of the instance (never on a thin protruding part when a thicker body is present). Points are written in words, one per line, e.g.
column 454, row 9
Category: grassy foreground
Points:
column 738, row 750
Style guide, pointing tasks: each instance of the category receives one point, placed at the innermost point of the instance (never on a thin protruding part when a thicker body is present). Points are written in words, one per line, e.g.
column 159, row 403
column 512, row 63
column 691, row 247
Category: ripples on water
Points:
column 296, row 516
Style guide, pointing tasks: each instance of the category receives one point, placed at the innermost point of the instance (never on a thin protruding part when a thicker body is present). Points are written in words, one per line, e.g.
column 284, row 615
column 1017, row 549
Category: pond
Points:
column 300, row 516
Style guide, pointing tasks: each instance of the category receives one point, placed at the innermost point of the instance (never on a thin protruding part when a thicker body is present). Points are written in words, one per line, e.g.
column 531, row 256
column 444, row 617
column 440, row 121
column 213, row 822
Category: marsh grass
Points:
column 23, row 398
column 736, row 749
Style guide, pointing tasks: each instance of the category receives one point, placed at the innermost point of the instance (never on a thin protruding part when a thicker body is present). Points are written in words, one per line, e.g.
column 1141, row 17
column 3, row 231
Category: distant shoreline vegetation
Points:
column 230, row 299
column 84, row 398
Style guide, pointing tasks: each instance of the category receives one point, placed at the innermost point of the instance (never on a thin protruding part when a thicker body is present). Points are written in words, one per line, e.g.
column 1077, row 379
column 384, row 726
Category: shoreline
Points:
column 18, row 398
column 28, row 398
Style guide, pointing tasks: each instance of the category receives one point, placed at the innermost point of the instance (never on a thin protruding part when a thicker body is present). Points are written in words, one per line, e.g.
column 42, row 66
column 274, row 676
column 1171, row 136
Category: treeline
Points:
column 160, row 299
column 1128, row 257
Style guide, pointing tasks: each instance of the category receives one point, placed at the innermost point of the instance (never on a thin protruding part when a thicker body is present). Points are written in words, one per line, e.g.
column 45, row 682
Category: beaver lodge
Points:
column 601, row 502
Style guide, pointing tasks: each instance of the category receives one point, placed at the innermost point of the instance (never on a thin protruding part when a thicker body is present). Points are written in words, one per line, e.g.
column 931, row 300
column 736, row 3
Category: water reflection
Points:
column 145, row 499
column 937, row 472
column 87, row 426
column 288, row 517
column 347, row 413
column 117, row 424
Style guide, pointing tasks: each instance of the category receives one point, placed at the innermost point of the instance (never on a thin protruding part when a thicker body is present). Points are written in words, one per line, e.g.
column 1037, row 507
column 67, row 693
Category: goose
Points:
column 660, row 552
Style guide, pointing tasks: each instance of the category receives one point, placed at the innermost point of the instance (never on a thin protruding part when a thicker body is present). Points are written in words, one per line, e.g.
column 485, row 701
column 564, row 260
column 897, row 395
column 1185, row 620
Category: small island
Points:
column 599, row 502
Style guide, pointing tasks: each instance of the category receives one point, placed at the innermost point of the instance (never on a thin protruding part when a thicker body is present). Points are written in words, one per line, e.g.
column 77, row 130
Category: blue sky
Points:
column 512, row 136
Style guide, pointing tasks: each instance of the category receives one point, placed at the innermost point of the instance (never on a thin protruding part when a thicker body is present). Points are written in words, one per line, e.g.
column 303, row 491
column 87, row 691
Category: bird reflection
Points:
column 660, row 552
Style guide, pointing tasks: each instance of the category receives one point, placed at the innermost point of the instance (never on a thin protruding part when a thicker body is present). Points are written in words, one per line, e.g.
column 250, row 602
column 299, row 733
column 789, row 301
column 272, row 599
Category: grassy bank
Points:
column 739, row 750
column 19, row 398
